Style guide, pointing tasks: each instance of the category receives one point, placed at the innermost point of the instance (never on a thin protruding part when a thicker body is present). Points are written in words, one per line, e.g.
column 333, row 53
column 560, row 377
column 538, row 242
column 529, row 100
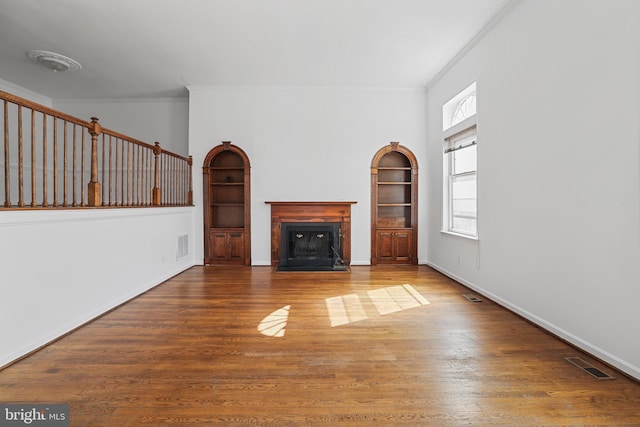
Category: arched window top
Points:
column 466, row 108
column 460, row 107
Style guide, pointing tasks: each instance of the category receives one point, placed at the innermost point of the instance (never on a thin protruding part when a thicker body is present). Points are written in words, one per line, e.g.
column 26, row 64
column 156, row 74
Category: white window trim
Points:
column 467, row 123
column 464, row 236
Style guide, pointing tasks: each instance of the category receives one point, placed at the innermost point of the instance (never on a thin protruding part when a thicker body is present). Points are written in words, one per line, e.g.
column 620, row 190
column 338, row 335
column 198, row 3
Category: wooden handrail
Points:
column 83, row 164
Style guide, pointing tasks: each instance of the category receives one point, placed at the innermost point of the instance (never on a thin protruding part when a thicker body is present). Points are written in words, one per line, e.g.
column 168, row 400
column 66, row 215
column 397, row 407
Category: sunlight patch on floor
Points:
column 275, row 323
column 396, row 298
column 345, row 309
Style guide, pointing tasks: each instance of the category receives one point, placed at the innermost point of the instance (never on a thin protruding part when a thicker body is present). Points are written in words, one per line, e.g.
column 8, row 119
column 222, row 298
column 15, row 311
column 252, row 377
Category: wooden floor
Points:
column 190, row 352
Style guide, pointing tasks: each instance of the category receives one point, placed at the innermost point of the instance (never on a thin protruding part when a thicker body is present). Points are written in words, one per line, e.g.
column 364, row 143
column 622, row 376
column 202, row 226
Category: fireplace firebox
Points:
column 310, row 247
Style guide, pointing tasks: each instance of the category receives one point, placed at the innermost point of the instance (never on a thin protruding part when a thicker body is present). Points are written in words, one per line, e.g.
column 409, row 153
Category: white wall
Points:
column 558, row 171
column 306, row 144
column 63, row 268
column 149, row 120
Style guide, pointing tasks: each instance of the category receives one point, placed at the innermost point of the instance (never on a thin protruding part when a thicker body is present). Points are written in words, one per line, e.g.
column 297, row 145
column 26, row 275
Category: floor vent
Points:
column 472, row 297
column 588, row 368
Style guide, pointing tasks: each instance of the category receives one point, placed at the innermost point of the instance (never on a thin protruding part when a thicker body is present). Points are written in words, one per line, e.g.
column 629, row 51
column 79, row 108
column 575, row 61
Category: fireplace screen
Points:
column 310, row 246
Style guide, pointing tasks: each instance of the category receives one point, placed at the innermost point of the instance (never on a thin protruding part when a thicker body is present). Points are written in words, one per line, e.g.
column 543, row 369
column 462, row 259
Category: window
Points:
column 461, row 159
column 460, row 165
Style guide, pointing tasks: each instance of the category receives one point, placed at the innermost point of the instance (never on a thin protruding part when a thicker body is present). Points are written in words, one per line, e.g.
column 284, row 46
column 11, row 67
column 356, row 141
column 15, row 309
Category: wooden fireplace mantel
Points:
column 339, row 212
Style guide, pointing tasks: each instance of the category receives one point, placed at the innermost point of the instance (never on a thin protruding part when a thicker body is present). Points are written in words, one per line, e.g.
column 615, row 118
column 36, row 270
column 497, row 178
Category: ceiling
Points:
column 156, row 48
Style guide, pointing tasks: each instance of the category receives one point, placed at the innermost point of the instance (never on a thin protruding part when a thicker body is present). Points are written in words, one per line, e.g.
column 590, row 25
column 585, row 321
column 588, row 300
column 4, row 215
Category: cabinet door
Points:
column 227, row 247
column 217, row 246
column 394, row 246
column 402, row 246
column 384, row 246
column 236, row 247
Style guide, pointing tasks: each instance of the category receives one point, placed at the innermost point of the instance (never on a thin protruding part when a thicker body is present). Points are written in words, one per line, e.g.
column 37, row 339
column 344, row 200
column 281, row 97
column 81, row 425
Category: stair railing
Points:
column 53, row 160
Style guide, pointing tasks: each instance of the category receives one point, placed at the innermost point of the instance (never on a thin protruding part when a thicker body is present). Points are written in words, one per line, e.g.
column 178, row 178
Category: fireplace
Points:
column 311, row 236
column 308, row 246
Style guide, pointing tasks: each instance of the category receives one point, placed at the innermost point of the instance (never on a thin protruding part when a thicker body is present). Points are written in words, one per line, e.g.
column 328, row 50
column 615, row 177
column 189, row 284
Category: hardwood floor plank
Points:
column 190, row 352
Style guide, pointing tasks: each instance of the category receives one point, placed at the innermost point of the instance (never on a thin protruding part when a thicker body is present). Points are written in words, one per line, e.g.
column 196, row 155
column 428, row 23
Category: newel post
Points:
column 190, row 194
column 94, row 190
column 156, row 194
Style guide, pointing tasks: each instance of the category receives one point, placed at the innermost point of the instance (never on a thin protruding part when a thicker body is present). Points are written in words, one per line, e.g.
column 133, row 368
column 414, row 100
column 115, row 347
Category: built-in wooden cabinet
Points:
column 394, row 206
column 227, row 200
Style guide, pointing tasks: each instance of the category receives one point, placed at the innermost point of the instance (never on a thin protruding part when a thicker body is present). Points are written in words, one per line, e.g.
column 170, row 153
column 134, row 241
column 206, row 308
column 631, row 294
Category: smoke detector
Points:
column 53, row 61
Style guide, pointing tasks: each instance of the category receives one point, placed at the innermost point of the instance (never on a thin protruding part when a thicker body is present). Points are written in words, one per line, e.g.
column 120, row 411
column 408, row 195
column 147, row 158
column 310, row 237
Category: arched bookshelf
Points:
column 227, row 200
column 394, row 206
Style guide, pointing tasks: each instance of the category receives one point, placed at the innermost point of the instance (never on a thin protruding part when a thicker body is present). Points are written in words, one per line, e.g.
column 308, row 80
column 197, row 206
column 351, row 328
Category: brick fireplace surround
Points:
column 310, row 212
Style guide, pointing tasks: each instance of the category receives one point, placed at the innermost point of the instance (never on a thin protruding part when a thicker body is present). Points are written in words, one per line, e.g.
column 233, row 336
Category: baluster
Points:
column 124, row 171
column 177, row 176
column 132, row 168
column 139, row 176
column 170, row 183
column 74, row 167
column 129, row 149
column 20, row 160
column 110, row 180
column 82, row 170
column 7, row 187
column 94, row 189
column 105, row 173
column 145, row 182
column 34, row 199
column 143, row 178
column 163, row 183
column 65, row 178
column 149, row 184
column 176, row 180
column 122, row 197
column 161, row 175
column 185, row 183
column 45, row 198
column 116, row 173
column 165, row 180
column 183, row 177
column 183, row 193
column 190, row 179
column 55, row 161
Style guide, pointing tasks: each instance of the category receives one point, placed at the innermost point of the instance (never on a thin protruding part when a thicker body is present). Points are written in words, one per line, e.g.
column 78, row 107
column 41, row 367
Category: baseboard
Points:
column 595, row 351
